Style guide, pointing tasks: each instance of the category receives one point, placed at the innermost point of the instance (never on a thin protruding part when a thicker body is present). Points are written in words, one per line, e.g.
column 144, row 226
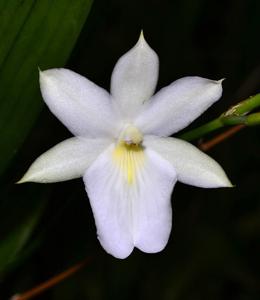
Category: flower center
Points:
column 129, row 153
column 131, row 135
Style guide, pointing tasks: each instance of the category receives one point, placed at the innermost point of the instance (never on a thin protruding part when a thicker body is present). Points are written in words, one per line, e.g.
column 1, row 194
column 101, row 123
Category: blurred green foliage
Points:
column 33, row 34
column 214, row 248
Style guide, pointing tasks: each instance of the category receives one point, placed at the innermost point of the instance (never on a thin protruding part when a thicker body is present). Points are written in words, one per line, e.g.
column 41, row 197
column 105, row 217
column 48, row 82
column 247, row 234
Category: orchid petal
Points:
column 177, row 105
column 67, row 160
column 192, row 165
column 152, row 210
column 110, row 206
column 83, row 107
column 129, row 214
column 134, row 78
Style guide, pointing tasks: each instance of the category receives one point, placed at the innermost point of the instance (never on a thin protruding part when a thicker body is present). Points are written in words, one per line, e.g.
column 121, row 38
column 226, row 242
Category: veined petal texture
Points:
column 67, row 160
column 177, row 105
column 82, row 106
column 192, row 165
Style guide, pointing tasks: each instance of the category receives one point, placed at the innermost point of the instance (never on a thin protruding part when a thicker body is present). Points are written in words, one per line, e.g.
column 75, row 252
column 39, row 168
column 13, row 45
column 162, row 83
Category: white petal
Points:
column 177, row 105
column 83, row 107
column 152, row 208
column 134, row 212
column 192, row 165
column 67, row 160
column 111, row 208
column 134, row 78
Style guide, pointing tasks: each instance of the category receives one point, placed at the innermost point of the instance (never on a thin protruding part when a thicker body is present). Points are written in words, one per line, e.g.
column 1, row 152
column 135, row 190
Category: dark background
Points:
column 213, row 251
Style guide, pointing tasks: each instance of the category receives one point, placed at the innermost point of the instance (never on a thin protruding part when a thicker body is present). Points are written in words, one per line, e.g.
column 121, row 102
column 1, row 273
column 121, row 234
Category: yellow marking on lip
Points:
column 129, row 157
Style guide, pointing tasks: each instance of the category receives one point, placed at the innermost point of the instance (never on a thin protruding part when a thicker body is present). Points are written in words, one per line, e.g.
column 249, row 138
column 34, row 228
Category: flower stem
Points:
column 236, row 115
column 202, row 130
column 206, row 146
column 245, row 106
column 50, row 282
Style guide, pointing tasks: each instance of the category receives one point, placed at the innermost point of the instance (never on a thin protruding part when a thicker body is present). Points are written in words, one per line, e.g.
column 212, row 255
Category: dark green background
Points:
column 213, row 251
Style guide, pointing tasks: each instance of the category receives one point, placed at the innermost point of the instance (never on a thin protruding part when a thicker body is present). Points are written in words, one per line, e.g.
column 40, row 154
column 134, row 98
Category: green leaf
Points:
column 18, row 221
column 33, row 34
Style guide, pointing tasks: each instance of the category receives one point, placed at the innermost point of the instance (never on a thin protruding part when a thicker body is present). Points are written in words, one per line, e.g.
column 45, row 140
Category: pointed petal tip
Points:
column 141, row 34
column 220, row 80
column 47, row 76
column 48, row 73
column 141, row 41
column 219, row 178
column 42, row 74
column 20, row 181
column 24, row 179
column 32, row 176
column 230, row 184
column 225, row 183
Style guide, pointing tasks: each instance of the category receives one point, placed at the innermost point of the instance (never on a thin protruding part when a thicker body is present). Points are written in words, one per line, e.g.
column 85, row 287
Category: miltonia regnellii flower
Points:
column 121, row 149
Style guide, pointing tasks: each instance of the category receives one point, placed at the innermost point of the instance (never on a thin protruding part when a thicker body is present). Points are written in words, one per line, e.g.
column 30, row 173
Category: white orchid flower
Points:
column 120, row 147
